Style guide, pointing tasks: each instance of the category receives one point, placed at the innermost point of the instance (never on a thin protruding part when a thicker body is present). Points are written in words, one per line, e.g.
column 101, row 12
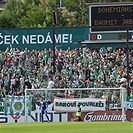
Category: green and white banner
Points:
column 15, row 105
column 87, row 104
column 129, row 103
column 43, row 38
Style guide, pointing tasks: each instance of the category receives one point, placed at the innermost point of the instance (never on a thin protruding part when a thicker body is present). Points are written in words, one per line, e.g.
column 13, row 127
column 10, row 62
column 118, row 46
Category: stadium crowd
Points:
column 78, row 68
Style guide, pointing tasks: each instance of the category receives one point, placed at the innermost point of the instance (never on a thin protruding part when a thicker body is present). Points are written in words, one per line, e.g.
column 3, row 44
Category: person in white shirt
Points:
column 50, row 84
column 123, row 82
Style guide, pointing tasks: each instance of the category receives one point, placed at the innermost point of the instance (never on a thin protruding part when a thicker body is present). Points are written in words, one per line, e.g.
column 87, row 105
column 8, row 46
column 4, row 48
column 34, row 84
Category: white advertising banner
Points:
column 34, row 117
column 86, row 104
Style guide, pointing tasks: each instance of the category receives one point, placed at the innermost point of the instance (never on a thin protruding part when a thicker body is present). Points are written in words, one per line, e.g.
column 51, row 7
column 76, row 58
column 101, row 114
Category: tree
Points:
column 14, row 9
column 5, row 21
column 31, row 13
column 33, row 18
column 39, row 13
column 77, row 12
column 17, row 10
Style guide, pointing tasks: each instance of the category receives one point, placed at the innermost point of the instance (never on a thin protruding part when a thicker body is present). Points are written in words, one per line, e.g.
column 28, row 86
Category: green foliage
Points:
column 39, row 13
column 32, row 18
column 77, row 12
column 5, row 21
column 13, row 11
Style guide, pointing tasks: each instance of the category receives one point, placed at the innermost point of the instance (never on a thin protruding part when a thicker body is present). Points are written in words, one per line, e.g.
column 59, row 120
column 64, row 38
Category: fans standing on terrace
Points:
column 78, row 68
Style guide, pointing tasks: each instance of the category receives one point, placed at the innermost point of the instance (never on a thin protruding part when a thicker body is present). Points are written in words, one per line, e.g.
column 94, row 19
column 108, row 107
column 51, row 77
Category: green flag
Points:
column 15, row 105
column 11, row 51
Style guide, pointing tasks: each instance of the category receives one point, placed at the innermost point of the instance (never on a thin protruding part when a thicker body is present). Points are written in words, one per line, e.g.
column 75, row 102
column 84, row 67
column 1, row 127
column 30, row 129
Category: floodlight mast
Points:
column 54, row 42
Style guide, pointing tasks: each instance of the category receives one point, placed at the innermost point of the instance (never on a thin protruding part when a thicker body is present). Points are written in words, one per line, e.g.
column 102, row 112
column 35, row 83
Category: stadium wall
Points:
column 35, row 117
column 90, row 116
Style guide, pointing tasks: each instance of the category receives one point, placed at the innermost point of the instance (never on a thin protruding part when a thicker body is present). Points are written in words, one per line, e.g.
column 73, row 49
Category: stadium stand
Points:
column 78, row 68
column 75, row 68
